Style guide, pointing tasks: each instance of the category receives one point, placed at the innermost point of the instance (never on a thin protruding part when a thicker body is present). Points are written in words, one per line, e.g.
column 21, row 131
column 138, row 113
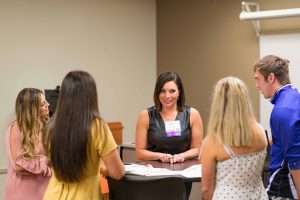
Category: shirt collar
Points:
column 278, row 91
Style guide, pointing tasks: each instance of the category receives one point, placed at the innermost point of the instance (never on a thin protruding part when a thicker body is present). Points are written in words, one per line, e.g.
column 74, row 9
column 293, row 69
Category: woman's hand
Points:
column 164, row 157
column 103, row 170
column 178, row 158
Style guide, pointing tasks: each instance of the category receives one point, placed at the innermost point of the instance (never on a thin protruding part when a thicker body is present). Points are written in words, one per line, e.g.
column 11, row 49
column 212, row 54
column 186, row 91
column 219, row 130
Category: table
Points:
column 158, row 164
column 158, row 187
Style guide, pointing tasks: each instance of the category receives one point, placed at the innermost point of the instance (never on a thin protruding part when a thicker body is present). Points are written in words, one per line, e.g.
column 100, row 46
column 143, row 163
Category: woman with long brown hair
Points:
column 77, row 138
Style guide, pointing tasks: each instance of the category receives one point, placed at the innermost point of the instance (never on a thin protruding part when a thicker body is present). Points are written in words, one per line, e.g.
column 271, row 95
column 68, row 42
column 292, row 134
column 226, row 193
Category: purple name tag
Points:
column 174, row 133
column 173, row 128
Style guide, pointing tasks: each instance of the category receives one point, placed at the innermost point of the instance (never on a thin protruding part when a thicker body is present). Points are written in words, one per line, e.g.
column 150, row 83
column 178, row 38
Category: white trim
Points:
column 292, row 186
column 257, row 15
column 270, row 14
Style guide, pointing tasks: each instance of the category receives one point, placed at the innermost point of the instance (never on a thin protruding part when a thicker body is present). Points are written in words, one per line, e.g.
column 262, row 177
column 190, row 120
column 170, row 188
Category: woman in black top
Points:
column 169, row 131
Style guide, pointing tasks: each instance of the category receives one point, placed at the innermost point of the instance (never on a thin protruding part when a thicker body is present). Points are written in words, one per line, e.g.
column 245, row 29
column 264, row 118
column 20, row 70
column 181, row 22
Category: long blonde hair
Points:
column 28, row 105
column 231, row 115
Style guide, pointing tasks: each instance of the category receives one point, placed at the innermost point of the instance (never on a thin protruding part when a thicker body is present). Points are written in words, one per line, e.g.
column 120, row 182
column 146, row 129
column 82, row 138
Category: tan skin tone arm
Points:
column 296, row 179
column 141, row 140
column 116, row 168
column 208, row 161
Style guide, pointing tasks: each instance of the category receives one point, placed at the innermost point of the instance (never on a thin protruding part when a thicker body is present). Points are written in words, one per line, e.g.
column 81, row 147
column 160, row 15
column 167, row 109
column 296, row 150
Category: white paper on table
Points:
column 147, row 170
column 194, row 171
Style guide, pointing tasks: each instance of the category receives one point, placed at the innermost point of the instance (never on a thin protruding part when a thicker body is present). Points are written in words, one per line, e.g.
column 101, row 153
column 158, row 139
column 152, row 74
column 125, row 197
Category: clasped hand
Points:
column 164, row 157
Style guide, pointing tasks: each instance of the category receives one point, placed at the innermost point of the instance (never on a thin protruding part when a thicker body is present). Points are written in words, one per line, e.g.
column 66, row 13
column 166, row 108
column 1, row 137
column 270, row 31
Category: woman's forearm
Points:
column 191, row 153
column 143, row 154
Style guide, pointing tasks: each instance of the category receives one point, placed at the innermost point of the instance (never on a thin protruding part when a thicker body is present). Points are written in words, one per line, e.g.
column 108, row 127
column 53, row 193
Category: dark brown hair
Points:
column 161, row 80
column 70, row 129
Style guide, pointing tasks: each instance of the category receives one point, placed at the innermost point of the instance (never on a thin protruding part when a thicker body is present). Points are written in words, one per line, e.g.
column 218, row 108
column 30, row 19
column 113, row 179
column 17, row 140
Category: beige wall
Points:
column 205, row 40
column 113, row 40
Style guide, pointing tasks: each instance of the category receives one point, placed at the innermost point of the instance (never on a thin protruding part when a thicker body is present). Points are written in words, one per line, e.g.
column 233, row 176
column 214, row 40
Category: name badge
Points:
column 173, row 128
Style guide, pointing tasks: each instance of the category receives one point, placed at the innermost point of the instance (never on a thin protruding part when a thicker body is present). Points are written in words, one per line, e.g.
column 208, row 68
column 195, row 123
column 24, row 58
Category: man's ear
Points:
column 271, row 78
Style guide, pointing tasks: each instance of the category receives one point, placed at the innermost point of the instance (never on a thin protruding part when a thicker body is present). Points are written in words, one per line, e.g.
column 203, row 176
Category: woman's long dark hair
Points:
column 70, row 129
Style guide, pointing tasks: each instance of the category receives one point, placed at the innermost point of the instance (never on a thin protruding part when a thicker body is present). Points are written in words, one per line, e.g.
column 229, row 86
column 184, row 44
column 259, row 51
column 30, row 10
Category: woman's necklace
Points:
column 169, row 116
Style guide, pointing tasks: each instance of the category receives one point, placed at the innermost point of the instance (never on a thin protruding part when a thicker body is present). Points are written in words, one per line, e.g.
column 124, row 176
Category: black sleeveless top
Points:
column 157, row 138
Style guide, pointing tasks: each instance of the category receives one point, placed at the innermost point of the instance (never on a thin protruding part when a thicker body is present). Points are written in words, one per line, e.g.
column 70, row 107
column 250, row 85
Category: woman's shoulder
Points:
column 143, row 118
column 14, row 128
column 259, row 135
column 99, row 126
column 147, row 111
column 151, row 111
column 193, row 110
column 211, row 140
column 14, row 124
column 212, row 145
column 144, row 113
column 194, row 114
column 152, row 108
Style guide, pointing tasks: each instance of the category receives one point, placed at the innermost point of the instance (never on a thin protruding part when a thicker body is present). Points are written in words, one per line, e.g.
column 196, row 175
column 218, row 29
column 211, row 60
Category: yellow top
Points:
column 102, row 143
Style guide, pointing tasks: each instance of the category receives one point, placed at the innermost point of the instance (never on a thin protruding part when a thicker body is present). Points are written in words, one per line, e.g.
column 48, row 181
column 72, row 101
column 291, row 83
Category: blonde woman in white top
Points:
column 234, row 150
